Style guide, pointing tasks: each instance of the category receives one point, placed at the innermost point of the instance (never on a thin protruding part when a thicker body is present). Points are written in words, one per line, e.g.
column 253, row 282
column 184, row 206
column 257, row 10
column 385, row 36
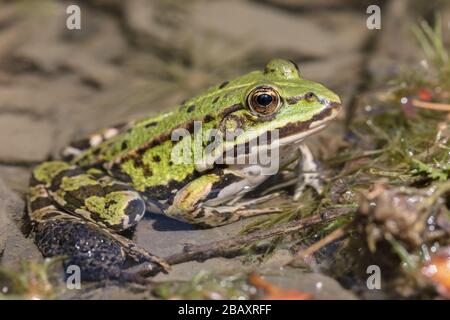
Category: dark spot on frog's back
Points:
column 82, row 144
column 223, row 84
column 124, row 145
column 154, row 143
column 138, row 163
column 151, row 124
column 156, row 158
column 147, row 171
column 208, row 118
column 191, row 108
column 119, row 174
column 216, row 99
column 189, row 126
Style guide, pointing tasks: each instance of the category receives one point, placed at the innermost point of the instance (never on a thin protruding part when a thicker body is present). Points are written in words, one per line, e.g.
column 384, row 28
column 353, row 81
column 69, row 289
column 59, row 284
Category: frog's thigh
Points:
column 91, row 195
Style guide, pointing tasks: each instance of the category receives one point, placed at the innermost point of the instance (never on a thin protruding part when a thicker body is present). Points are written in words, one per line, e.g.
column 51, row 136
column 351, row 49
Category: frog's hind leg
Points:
column 65, row 222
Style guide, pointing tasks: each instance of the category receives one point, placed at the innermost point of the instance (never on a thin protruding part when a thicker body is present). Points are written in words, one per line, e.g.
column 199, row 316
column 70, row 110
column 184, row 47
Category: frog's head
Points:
column 278, row 98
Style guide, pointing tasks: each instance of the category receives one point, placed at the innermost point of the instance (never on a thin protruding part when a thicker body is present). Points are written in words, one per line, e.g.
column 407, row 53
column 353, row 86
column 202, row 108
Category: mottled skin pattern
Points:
column 105, row 183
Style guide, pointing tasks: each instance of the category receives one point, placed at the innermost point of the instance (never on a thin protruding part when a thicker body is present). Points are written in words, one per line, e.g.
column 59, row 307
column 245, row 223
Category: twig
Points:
column 431, row 105
column 234, row 245
column 19, row 163
column 336, row 234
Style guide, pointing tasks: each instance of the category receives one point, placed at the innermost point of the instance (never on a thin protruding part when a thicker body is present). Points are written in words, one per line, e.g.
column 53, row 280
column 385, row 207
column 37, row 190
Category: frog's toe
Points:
column 308, row 180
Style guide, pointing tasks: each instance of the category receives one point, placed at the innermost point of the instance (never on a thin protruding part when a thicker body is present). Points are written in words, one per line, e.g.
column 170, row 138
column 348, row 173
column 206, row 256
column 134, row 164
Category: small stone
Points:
column 24, row 138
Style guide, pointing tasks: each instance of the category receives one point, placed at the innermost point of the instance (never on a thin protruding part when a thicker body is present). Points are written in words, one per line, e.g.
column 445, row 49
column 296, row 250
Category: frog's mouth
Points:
column 297, row 131
column 292, row 133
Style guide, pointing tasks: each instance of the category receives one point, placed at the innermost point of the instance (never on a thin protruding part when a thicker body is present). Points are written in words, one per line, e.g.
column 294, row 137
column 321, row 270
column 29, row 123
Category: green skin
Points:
column 132, row 164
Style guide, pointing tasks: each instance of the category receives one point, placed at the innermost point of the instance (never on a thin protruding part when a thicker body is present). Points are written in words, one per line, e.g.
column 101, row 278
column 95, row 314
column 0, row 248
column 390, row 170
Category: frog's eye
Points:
column 264, row 100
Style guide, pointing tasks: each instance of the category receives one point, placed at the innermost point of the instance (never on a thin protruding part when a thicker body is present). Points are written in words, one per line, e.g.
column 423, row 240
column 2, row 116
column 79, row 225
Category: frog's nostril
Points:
column 295, row 65
column 309, row 96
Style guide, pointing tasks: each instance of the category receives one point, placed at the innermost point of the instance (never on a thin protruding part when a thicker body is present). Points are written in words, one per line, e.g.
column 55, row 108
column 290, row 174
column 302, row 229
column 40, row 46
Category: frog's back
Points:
column 142, row 152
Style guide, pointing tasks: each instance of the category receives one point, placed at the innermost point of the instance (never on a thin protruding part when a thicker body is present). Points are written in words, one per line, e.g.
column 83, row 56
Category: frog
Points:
column 82, row 205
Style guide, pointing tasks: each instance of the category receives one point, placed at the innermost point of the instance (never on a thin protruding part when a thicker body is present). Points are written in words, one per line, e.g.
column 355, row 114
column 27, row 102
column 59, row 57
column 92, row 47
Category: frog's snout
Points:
column 333, row 109
column 335, row 106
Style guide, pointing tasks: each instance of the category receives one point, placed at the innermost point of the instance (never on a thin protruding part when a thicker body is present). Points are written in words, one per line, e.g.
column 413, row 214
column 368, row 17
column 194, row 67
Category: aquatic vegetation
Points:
column 33, row 280
column 394, row 168
column 205, row 286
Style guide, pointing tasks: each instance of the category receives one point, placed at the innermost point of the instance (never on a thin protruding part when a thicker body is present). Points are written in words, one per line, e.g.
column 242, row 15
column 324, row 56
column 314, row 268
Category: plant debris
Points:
column 272, row 292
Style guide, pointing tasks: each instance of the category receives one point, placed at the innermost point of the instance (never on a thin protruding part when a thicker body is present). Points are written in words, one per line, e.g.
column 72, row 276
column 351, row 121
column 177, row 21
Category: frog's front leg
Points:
column 308, row 173
column 78, row 213
column 205, row 201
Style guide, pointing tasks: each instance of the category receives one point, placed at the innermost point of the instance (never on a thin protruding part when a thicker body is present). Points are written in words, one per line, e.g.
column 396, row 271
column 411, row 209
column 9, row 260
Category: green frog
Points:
column 80, row 206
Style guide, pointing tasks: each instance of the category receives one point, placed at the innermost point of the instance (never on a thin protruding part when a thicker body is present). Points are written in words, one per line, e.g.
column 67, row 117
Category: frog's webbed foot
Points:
column 308, row 173
column 66, row 224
